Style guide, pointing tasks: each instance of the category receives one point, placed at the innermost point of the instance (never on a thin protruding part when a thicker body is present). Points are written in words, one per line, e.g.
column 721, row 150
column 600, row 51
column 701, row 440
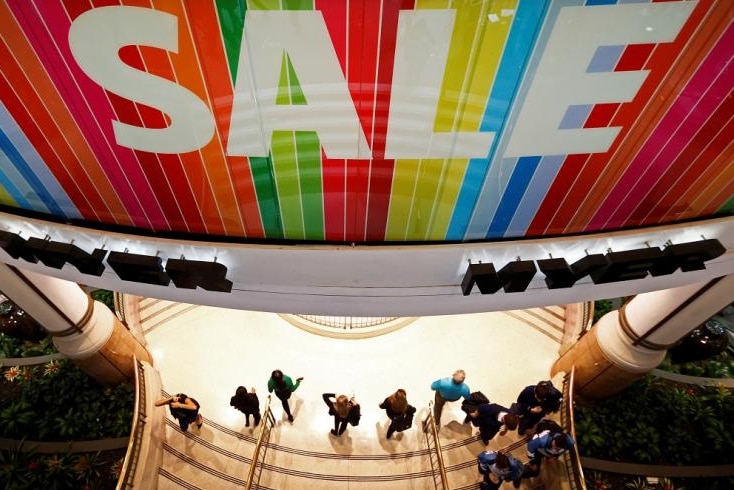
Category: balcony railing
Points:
column 267, row 422
column 572, row 459
column 132, row 456
column 438, row 468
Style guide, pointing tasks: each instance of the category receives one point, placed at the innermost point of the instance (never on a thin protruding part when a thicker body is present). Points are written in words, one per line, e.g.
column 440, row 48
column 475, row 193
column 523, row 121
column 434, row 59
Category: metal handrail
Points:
column 586, row 317
column 573, row 459
column 119, row 302
column 267, row 422
column 130, row 463
column 431, row 432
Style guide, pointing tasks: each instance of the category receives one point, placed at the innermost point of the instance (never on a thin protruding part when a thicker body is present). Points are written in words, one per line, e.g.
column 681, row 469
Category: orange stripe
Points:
column 707, row 32
column 202, row 17
column 186, row 67
column 79, row 155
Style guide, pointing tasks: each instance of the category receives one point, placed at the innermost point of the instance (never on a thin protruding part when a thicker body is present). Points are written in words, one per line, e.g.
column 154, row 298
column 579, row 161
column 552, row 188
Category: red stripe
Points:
column 601, row 115
column 333, row 181
column 557, row 192
column 382, row 170
column 634, row 57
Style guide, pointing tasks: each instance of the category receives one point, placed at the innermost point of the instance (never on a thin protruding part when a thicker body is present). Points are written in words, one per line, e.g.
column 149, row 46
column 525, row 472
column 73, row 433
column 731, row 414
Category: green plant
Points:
column 597, row 481
column 105, row 296
column 667, row 484
column 639, row 484
column 601, row 308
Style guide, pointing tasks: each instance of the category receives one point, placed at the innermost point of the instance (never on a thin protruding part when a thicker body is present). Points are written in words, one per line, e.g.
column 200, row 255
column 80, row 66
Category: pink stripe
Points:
column 119, row 163
column 692, row 108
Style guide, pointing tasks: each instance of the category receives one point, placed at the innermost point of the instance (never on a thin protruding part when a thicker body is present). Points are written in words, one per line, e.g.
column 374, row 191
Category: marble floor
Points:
column 207, row 352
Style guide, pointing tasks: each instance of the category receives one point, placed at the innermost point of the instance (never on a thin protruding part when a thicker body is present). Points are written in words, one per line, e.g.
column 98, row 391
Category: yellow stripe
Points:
column 6, row 199
column 403, row 185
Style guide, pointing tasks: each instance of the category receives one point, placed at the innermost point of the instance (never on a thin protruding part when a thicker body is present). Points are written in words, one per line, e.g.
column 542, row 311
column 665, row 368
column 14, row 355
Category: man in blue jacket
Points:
column 448, row 390
column 498, row 467
column 492, row 418
column 535, row 402
column 546, row 444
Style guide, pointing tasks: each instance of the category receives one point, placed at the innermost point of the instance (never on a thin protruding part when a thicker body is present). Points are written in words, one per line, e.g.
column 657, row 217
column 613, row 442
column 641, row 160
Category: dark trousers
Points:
column 391, row 429
column 284, row 400
column 487, row 433
column 256, row 416
column 528, row 421
column 340, row 425
column 438, row 404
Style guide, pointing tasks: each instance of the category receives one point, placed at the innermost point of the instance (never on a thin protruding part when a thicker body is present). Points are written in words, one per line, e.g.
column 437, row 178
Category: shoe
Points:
column 290, row 418
column 389, row 435
column 247, row 424
column 333, row 433
column 198, row 426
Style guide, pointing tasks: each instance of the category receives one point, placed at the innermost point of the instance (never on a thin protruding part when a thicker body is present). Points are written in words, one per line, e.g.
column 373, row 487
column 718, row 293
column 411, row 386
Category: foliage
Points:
column 597, row 481
column 13, row 347
column 60, row 402
column 654, row 422
column 639, row 484
column 25, row 470
column 601, row 308
column 104, row 296
column 718, row 366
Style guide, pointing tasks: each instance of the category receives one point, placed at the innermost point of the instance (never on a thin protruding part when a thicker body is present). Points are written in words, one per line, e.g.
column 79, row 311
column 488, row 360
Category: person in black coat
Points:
column 492, row 418
column 398, row 411
column 535, row 402
column 247, row 403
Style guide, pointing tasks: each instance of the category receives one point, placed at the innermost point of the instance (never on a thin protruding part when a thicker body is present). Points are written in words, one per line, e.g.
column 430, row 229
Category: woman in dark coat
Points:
column 345, row 410
column 247, row 403
column 398, row 411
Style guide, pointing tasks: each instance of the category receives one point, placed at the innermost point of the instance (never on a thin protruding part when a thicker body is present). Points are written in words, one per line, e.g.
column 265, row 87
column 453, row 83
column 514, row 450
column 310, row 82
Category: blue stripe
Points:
column 519, row 44
column 20, row 164
column 534, row 195
column 601, row 2
column 8, row 179
column 499, row 173
column 516, row 188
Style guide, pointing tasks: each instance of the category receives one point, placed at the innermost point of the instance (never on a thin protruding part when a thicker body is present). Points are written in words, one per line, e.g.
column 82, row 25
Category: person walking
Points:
column 534, row 402
column 247, row 403
column 284, row 387
column 492, row 418
column 449, row 389
column 399, row 411
column 498, row 467
column 548, row 444
column 184, row 409
column 344, row 410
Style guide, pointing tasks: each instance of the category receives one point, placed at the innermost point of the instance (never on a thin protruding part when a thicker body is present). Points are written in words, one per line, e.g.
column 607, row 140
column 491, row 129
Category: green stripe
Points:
column 267, row 198
column 280, row 4
column 308, row 150
column 727, row 208
column 285, row 165
column 231, row 22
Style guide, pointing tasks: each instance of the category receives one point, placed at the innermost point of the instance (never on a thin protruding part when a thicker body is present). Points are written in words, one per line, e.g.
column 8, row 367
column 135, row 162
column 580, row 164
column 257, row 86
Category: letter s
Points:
column 95, row 38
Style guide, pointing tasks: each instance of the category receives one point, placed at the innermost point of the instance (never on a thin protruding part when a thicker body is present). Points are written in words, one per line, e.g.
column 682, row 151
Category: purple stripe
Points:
column 605, row 59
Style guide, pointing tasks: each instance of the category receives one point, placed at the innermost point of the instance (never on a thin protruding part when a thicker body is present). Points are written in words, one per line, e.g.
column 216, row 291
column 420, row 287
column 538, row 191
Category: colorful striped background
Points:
column 672, row 159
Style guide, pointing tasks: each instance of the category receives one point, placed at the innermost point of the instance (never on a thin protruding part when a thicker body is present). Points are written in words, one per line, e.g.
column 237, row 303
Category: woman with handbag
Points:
column 398, row 411
column 345, row 410
column 283, row 386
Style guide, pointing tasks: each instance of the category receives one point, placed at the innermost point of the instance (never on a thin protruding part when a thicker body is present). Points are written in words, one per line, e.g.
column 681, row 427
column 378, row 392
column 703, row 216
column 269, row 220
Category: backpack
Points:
column 354, row 415
column 475, row 399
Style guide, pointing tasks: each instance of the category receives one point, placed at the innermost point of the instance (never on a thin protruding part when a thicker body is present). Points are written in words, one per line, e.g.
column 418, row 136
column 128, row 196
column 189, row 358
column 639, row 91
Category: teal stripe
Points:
column 308, row 150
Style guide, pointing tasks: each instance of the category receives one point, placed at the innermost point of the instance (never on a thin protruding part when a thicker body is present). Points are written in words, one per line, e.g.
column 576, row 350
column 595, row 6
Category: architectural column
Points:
column 82, row 329
column 629, row 342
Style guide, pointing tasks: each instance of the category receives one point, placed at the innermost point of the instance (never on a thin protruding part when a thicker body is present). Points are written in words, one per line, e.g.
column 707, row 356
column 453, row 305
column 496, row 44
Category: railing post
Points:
column 130, row 463
column 438, row 469
column 267, row 422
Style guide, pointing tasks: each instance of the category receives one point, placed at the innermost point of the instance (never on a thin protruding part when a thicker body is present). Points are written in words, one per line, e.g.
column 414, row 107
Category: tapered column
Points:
column 82, row 329
column 629, row 342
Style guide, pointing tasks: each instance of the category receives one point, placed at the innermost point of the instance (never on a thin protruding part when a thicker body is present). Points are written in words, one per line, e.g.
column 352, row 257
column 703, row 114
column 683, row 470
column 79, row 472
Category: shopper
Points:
column 398, row 411
column 498, row 467
column 534, row 403
column 492, row 418
column 184, row 409
column 284, row 387
column 449, row 390
column 546, row 444
column 247, row 403
column 344, row 410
